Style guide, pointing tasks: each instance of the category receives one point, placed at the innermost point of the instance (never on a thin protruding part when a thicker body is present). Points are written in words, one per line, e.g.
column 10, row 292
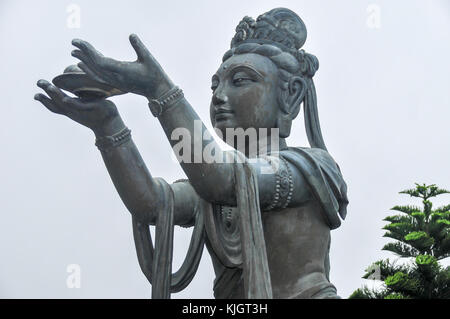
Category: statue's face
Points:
column 245, row 92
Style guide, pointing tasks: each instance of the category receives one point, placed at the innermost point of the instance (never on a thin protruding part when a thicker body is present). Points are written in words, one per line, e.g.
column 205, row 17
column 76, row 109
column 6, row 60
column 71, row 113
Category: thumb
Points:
column 142, row 52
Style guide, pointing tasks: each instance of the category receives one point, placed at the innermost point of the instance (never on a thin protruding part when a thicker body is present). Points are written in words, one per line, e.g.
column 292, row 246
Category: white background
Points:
column 383, row 98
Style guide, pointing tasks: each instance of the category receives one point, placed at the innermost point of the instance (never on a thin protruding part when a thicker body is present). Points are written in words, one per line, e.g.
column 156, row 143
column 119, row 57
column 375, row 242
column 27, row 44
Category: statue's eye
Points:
column 214, row 86
column 241, row 80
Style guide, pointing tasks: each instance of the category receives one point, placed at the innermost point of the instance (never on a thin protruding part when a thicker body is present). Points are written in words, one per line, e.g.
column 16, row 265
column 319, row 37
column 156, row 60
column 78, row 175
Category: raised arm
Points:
column 138, row 190
column 211, row 180
column 134, row 183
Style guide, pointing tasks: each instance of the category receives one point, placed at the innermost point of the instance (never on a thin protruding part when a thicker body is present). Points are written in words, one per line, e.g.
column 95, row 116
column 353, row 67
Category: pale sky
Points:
column 383, row 100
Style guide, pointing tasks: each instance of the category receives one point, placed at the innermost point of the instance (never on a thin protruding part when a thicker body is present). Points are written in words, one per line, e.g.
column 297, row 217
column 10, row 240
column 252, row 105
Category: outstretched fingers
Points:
column 80, row 55
column 55, row 94
column 87, row 48
column 91, row 57
column 56, row 101
column 48, row 103
column 59, row 102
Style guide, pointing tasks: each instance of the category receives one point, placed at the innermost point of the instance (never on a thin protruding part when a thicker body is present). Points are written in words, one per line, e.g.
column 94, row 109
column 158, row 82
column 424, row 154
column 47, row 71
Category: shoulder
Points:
column 319, row 155
column 324, row 178
column 312, row 160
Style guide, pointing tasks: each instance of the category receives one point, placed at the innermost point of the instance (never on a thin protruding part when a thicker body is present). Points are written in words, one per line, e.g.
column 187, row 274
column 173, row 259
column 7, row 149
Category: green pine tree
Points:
column 423, row 236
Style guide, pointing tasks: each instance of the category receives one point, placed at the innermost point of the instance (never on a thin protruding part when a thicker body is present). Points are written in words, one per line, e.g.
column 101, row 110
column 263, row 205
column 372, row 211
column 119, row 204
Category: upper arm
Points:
column 280, row 183
column 185, row 203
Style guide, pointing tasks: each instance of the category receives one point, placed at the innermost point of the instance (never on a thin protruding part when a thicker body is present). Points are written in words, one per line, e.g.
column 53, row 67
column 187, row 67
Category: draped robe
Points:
column 256, row 254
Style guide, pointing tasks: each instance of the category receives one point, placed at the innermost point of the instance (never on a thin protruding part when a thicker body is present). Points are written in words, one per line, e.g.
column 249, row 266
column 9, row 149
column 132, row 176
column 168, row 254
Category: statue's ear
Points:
column 291, row 100
column 297, row 91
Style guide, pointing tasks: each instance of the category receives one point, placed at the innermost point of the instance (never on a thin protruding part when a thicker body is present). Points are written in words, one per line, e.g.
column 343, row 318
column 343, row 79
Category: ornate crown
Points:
column 280, row 27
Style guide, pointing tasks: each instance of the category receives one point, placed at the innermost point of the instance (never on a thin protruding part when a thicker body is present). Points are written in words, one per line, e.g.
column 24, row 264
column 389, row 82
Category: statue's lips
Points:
column 223, row 114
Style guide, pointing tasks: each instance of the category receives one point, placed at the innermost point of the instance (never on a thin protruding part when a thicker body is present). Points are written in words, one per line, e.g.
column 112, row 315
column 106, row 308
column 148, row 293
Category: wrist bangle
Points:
column 160, row 105
column 107, row 142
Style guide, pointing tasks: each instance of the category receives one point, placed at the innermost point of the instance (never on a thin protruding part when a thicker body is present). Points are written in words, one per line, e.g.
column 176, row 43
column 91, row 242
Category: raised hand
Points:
column 99, row 115
column 143, row 76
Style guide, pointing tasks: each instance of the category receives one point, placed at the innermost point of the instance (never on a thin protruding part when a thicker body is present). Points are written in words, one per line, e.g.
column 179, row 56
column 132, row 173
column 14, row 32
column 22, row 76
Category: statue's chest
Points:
column 228, row 219
column 227, row 234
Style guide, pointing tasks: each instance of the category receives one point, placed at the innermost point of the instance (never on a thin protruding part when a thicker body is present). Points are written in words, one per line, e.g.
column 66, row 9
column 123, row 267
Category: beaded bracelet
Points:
column 160, row 105
column 107, row 142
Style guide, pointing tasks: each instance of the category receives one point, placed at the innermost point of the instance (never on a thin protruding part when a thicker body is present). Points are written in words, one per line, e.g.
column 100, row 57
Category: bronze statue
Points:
column 268, row 232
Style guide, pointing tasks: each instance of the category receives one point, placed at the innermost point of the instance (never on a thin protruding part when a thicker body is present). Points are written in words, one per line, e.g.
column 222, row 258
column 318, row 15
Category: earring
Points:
column 284, row 125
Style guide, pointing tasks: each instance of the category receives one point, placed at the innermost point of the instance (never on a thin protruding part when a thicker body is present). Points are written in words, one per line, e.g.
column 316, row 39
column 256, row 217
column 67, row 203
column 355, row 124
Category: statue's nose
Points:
column 219, row 98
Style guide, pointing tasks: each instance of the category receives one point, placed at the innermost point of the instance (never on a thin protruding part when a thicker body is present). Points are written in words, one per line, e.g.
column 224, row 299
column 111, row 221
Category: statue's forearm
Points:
column 131, row 178
column 204, row 177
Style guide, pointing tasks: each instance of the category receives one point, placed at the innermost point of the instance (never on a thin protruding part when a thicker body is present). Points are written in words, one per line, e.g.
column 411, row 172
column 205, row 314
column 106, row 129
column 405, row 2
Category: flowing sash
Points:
column 253, row 255
column 156, row 263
